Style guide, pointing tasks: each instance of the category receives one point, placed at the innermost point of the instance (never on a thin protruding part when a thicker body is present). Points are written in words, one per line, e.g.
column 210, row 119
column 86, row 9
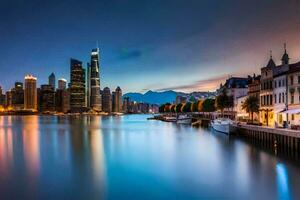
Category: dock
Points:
column 279, row 139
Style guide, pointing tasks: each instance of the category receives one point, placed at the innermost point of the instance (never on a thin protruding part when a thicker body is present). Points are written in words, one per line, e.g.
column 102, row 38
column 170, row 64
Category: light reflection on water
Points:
column 92, row 157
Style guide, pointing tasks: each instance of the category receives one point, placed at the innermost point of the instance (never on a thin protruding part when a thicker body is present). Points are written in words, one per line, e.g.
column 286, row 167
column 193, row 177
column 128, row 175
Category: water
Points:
column 128, row 157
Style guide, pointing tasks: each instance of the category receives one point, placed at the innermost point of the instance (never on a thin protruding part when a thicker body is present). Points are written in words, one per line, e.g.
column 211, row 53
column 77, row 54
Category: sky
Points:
column 182, row 45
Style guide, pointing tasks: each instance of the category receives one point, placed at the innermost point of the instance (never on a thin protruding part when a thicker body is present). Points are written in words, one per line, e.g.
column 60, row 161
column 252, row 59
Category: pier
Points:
column 280, row 140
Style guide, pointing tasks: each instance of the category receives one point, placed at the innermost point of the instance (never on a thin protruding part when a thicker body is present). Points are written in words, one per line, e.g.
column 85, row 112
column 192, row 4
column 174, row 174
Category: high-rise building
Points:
column 52, row 80
column 77, row 86
column 106, row 100
column 126, row 104
column 47, row 98
column 62, row 100
column 8, row 99
column 2, row 97
column 17, row 96
column 94, row 96
column 30, row 93
column 62, row 84
column 117, row 100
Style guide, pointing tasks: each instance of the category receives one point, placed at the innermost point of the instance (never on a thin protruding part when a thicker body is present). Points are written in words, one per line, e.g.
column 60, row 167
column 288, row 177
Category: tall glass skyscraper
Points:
column 52, row 80
column 94, row 99
column 77, row 86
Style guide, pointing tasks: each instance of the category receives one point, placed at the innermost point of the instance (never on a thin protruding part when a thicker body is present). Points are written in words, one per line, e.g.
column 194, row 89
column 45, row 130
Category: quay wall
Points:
column 282, row 140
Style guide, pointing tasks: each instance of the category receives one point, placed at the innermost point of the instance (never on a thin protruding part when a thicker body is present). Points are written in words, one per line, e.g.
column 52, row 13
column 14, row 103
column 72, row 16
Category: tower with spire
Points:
column 285, row 57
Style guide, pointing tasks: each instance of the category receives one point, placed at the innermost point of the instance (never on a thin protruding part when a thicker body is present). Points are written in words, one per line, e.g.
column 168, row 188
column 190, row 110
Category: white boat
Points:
column 170, row 119
column 184, row 119
column 222, row 125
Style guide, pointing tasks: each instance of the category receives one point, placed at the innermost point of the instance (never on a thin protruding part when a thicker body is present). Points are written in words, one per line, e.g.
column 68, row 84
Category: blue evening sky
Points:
column 184, row 45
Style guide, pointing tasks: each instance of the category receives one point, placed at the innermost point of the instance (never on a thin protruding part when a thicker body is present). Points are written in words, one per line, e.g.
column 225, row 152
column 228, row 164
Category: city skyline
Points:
column 139, row 46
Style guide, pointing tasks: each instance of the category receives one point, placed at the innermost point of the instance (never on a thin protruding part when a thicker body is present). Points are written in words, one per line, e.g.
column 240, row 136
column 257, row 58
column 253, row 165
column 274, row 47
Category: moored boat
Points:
column 184, row 119
column 222, row 125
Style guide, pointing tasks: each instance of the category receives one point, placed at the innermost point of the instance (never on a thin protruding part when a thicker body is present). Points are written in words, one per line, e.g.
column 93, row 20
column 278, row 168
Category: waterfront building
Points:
column 52, row 80
column 77, row 87
column 62, row 100
column 293, row 95
column 266, row 93
column 47, row 98
column 62, row 84
column 254, row 91
column 117, row 100
column 2, row 97
column 8, row 99
column 17, row 96
column 106, row 100
column 126, row 102
column 236, row 87
column 94, row 96
column 30, row 93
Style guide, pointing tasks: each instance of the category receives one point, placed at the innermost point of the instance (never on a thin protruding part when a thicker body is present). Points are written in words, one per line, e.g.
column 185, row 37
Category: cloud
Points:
column 201, row 85
column 125, row 53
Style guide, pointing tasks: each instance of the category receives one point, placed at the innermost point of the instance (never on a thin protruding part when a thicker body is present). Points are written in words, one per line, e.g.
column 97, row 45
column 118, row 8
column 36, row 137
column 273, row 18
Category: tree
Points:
column 178, row 107
column 251, row 105
column 208, row 105
column 187, row 107
column 222, row 102
column 172, row 108
column 200, row 103
column 167, row 107
column 162, row 108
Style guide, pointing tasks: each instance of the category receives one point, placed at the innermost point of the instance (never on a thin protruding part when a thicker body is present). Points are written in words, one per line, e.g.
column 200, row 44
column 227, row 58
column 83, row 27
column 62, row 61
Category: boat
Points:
column 222, row 125
column 184, row 119
column 170, row 119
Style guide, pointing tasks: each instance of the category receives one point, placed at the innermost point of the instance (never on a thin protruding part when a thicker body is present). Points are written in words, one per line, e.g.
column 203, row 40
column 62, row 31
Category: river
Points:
column 129, row 157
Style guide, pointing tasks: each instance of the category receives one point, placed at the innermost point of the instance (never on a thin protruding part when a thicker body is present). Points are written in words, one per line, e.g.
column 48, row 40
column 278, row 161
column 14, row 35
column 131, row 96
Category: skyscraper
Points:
column 117, row 100
column 30, row 93
column 106, row 100
column 52, row 80
column 47, row 98
column 62, row 84
column 17, row 94
column 77, row 86
column 94, row 98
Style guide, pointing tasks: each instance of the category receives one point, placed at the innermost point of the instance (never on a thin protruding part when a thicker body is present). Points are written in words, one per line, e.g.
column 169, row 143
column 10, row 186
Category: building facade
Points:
column 62, row 100
column 94, row 82
column 51, row 79
column 117, row 100
column 77, row 87
column 266, row 94
column 17, row 96
column 30, row 93
column 62, row 84
column 106, row 100
column 47, row 98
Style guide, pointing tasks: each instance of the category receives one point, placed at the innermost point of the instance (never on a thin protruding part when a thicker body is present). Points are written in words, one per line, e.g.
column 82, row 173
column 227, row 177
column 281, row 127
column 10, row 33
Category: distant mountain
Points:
column 153, row 97
column 166, row 96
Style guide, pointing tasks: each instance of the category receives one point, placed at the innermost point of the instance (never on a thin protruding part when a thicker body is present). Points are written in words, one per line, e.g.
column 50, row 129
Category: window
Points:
column 261, row 101
column 298, row 79
column 271, row 99
column 283, row 82
column 279, row 83
column 271, row 85
column 275, row 84
column 292, row 98
column 275, row 99
column 265, row 102
column 292, row 80
column 293, row 117
column 279, row 98
column 283, row 97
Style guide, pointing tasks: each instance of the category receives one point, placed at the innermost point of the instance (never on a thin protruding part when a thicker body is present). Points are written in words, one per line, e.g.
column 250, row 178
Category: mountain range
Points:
column 169, row 96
